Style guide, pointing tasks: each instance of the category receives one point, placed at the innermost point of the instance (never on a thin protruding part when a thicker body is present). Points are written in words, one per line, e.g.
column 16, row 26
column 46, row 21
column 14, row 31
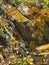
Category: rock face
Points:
column 25, row 27
column 30, row 22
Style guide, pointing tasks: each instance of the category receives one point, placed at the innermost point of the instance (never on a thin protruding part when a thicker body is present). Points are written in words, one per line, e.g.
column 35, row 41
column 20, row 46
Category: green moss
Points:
column 1, row 29
column 20, row 1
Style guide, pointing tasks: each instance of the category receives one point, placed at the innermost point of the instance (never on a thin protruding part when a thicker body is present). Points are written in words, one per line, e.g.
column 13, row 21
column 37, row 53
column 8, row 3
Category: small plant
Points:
column 45, row 3
column 20, row 62
column 40, row 40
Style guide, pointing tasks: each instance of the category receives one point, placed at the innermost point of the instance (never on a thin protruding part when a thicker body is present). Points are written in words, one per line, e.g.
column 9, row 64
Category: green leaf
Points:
column 20, row 63
column 45, row 1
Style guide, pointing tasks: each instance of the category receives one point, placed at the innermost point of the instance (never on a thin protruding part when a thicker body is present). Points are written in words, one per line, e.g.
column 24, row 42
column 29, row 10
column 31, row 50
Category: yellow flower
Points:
column 30, row 62
column 0, row 55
